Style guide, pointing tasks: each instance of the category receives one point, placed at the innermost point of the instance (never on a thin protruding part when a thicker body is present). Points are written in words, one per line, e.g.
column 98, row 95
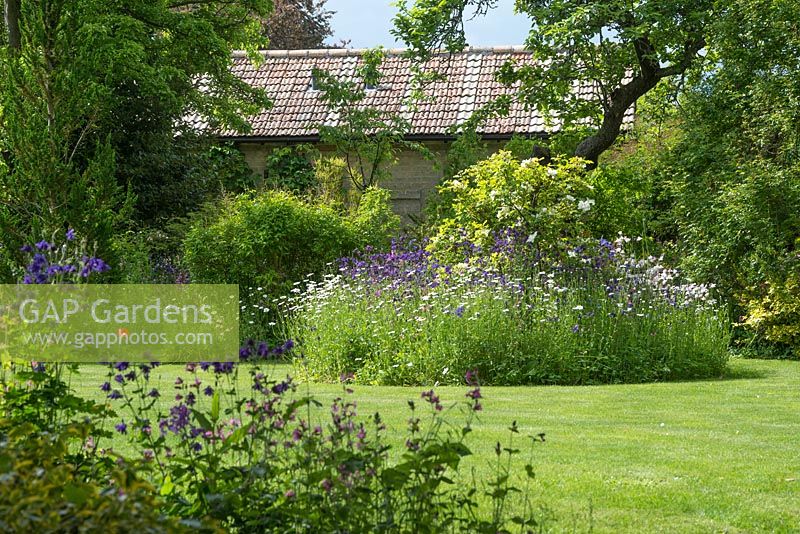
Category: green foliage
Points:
column 43, row 400
column 621, row 48
column 95, row 102
column 267, row 242
column 135, row 265
column 735, row 170
column 621, row 202
column 520, row 147
column 753, row 91
column 269, row 239
column 467, row 150
column 367, row 138
column 374, row 222
column 149, row 256
column 631, row 188
column 546, row 203
column 288, row 168
column 51, row 472
column 692, row 425
column 45, row 190
column 739, row 227
column 329, row 173
column 185, row 174
column 659, row 31
column 161, row 50
column 257, row 457
column 776, row 315
column 431, row 25
column 47, row 487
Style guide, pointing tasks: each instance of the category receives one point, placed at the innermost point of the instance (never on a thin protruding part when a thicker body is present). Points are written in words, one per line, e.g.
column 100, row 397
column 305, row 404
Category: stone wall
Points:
column 413, row 178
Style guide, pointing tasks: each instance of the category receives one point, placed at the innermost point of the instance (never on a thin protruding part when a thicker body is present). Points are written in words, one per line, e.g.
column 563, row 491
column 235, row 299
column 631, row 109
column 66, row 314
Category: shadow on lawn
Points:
column 733, row 371
column 737, row 372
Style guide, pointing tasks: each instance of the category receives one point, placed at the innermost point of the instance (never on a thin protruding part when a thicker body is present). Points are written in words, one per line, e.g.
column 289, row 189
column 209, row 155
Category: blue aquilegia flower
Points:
column 93, row 265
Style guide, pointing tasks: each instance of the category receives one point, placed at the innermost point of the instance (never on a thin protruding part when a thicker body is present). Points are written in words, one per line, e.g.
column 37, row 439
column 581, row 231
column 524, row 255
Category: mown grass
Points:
column 706, row 456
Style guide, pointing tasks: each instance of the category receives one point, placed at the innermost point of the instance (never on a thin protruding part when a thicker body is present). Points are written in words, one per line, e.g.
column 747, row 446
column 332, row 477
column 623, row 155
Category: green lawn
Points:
column 710, row 456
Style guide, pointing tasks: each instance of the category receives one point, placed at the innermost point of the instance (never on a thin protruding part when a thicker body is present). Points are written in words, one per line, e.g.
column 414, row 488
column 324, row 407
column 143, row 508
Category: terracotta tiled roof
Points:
column 469, row 84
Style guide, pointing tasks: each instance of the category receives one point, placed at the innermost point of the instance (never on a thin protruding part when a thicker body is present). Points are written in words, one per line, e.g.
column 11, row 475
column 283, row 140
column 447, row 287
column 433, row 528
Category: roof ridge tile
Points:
column 339, row 52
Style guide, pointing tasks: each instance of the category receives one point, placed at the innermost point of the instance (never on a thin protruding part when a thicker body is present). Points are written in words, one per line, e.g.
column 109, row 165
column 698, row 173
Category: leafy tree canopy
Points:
column 623, row 48
column 735, row 171
column 298, row 24
column 89, row 86
column 367, row 137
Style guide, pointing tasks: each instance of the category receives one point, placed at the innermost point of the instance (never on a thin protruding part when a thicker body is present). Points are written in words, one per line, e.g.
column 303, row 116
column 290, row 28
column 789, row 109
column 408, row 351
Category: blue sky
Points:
column 367, row 23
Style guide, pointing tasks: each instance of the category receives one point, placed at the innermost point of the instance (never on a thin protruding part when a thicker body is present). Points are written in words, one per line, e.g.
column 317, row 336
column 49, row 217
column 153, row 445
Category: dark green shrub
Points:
column 735, row 171
column 624, row 195
column 134, row 265
column 40, row 198
column 150, row 256
column 739, row 226
column 178, row 179
column 289, row 169
column 225, row 169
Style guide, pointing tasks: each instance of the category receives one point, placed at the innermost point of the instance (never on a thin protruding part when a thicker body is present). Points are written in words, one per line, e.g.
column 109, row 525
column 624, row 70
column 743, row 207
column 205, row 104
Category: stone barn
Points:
column 469, row 84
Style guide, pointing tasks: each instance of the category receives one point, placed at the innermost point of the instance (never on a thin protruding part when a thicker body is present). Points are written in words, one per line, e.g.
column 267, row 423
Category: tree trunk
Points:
column 11, row 15
column 625, row 96
column 621, row 100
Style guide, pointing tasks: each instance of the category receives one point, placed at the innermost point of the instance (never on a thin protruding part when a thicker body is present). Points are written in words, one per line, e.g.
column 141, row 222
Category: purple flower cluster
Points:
column 262, row 350
column 409, row 264
column 40, row 271
column 433, row 399
column 407, row 261
column 50, row 263
column 182, row 419
column 93, row 265
column 243, row 433
column 167, row 270
column 179, row 418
